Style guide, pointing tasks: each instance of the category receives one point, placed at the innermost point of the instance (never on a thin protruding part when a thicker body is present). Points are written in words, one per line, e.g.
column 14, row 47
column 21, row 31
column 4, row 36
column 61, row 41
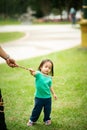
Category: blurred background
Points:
column 40, row 10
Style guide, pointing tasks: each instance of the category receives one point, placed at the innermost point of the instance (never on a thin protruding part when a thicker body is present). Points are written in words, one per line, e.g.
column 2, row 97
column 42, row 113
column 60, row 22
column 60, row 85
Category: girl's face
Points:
column 46, row 68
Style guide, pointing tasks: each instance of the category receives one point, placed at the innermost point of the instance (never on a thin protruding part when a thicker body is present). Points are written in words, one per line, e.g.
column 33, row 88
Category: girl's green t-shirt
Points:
column 43, row 84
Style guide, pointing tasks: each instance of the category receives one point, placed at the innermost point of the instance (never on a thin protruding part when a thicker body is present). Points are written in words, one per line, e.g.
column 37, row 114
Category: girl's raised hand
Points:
column 32, row 71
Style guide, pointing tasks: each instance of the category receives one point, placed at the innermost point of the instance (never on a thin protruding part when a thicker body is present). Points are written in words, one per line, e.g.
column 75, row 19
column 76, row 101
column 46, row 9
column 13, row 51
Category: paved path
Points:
column 40, row 40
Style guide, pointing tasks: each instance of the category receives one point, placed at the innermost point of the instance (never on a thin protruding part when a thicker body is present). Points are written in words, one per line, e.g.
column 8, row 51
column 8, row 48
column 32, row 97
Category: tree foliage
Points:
column 42, row 7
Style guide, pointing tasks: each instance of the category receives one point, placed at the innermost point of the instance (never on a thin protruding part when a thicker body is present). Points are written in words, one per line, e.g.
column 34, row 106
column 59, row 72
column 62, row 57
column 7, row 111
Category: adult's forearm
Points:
column 3, row 54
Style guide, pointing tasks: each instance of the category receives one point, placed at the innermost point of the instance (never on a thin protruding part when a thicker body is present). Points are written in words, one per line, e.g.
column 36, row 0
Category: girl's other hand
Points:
column 55, row 96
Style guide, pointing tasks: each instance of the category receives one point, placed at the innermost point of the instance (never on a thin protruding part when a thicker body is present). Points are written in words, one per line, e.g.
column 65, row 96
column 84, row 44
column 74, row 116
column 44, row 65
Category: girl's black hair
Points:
column 44, row 61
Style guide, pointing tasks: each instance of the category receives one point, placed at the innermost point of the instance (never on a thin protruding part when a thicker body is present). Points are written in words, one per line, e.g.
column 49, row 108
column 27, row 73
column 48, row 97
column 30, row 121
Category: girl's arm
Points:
column 33, row 72
column 53, row 93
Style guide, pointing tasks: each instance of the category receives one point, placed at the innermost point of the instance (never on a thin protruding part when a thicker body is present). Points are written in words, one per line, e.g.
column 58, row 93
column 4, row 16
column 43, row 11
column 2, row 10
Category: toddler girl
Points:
column 43, row 81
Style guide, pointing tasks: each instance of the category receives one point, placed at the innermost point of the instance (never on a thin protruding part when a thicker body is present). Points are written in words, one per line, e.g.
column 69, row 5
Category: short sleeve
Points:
column 50, row 83
column 37, row 74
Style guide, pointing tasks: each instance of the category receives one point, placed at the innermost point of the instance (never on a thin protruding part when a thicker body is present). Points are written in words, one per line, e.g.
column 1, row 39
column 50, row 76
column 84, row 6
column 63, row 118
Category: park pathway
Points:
column 40, row 40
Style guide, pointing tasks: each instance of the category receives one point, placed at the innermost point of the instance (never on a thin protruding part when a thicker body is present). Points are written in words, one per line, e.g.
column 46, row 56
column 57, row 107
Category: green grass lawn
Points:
column 9, row 22
column 10, row 36
column 69, row 112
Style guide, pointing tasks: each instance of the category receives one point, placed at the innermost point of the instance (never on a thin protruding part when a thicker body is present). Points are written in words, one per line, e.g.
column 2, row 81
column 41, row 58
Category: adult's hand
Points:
column 11, row 62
